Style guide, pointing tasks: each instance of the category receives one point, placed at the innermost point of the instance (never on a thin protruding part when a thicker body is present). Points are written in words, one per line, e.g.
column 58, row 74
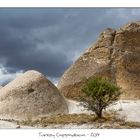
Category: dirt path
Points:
column 6, row 124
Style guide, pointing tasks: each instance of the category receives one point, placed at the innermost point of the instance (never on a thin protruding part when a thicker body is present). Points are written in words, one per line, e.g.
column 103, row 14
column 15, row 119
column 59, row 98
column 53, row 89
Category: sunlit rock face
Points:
column 115, row 55
column 30, row 96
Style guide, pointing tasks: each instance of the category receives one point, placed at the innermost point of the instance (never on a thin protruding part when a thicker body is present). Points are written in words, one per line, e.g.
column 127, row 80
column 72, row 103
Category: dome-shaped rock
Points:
column 30, row 95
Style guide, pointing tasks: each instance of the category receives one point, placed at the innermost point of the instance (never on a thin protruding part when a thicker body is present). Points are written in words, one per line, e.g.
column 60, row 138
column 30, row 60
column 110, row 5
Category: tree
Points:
column 99, row 94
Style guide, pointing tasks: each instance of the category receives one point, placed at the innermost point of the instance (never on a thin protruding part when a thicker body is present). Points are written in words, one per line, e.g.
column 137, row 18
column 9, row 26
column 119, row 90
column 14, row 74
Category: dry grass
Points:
column 109, row 121
column 61, row 119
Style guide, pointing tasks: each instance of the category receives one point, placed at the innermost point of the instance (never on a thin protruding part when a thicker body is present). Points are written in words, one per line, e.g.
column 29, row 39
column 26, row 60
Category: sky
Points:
column 49, row 40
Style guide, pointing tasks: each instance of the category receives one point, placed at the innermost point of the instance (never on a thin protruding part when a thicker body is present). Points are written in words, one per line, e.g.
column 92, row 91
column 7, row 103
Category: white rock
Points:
column 30, row 96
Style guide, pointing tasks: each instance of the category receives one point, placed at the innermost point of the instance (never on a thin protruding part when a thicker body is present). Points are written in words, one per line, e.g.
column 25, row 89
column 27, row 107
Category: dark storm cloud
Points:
column 48, row 40
column 21, row 53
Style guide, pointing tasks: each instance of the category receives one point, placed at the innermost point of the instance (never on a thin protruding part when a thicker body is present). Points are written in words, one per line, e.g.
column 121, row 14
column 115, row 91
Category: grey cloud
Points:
column 49, row 39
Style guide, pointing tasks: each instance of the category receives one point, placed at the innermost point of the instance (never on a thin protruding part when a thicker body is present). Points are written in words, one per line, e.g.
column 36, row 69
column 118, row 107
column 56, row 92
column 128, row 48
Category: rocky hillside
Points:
column 30, row 96
column 115, row 55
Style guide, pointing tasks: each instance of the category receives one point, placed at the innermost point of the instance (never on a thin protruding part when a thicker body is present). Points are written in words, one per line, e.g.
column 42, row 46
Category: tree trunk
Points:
column 99, row 113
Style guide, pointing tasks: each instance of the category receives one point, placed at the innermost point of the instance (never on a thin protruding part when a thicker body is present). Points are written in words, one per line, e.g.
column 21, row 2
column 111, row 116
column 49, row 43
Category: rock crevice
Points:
column 115, row 55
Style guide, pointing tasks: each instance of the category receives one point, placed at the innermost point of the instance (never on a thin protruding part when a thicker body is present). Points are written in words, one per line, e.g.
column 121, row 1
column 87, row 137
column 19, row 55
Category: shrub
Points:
column 99, row 94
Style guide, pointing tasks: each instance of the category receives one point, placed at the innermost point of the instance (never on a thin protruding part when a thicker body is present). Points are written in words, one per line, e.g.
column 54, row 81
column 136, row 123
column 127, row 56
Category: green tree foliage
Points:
column 99, row 94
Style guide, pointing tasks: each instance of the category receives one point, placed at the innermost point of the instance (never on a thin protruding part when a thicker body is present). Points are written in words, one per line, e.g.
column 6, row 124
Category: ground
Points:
column 123, row 114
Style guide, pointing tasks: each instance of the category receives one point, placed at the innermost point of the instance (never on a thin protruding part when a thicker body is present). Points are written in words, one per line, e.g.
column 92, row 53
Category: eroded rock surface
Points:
column 30, row 96
column 115, row 55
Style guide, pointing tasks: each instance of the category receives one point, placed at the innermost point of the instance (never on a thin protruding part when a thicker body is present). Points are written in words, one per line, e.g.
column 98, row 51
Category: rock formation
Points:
column 0, row 86
column 115, row 55
column 30, row 96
